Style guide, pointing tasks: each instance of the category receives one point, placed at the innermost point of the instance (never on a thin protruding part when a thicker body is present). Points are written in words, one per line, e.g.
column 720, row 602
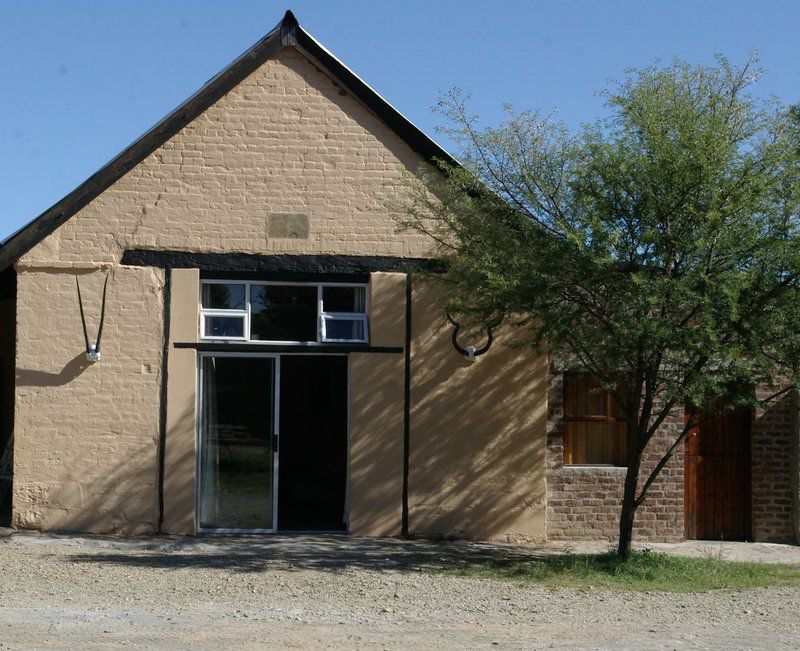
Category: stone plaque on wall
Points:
column 292, row 226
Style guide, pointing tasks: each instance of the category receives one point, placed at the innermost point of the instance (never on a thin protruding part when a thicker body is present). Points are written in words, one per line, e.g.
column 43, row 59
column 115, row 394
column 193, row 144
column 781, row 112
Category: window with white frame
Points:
column 278, row 312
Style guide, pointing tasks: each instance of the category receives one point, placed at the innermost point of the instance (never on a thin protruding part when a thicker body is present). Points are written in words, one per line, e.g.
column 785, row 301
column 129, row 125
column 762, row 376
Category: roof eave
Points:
column 28, row 236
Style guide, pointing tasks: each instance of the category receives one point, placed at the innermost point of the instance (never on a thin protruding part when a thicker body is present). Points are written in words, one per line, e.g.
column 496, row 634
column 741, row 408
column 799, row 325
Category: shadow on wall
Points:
column 376, row 416
column 478, row 432
column 179, row 473
column 73, row 368
column 85, row 457
column 376, row 444
column 120, row 498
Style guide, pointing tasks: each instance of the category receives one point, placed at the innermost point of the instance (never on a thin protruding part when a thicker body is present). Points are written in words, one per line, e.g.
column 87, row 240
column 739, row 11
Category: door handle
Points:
column 274, row 442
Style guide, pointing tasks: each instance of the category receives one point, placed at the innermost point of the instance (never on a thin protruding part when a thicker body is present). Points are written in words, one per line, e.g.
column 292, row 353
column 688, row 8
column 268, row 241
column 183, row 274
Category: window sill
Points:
column 320, row 349
column 604, row 468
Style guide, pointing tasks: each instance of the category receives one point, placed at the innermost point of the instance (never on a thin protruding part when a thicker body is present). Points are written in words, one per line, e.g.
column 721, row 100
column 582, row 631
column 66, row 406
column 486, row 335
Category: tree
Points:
column 656, row 250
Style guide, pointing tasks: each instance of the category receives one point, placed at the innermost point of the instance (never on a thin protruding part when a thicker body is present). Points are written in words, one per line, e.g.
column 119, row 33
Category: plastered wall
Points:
column 7, row 339
column 286, row 140
column 477, row 432
column 375, row 459
column 86, row 435
column 179, row 441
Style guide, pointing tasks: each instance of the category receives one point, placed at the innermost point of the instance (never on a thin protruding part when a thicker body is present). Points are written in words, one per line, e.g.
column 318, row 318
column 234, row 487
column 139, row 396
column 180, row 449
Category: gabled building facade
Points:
column 271, row 359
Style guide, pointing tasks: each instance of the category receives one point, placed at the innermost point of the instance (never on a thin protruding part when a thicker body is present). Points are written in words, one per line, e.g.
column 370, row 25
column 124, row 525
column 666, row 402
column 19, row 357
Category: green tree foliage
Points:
column 658, row 247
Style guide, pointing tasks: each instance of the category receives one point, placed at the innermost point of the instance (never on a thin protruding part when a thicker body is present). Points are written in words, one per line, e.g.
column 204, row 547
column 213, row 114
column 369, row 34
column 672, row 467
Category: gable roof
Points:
column 287, row 33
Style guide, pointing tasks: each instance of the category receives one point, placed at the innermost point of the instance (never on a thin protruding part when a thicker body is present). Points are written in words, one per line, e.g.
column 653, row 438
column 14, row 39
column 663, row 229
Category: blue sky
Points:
column 82, row 79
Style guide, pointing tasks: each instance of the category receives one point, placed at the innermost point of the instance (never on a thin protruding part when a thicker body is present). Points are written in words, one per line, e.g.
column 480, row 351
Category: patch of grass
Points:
column 644, row 570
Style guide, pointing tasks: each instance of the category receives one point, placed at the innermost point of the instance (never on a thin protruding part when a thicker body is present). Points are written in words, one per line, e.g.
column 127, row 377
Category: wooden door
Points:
column 717, row 471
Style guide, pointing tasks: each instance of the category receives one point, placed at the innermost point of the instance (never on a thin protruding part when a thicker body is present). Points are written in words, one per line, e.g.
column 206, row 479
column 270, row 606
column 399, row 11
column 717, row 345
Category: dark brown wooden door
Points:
column 717, row 498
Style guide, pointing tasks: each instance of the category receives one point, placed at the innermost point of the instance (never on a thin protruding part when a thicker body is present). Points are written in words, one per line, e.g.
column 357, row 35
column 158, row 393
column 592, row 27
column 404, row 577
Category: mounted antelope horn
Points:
column 470, row 352
column 92, row 351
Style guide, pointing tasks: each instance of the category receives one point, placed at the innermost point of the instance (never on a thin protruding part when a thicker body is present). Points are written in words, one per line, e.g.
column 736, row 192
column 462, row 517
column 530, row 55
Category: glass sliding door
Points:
column 236, row 458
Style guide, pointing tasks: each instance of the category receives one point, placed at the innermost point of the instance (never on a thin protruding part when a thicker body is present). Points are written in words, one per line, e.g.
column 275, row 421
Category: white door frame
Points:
column 276, row 432
column 276, row 395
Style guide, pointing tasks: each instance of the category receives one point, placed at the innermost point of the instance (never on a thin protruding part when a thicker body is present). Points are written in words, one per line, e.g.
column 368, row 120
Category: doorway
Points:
column 717, row 471
column 272, row 443
column 313, row 443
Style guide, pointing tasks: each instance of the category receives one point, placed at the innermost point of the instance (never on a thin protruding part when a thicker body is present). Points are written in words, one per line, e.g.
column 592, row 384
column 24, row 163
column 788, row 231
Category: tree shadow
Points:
column 477, row 435
column 306, row 552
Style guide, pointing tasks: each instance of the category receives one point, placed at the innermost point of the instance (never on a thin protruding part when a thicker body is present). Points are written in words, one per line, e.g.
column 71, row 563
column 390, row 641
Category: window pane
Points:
column 224, row 326
column 223, row 296
column 599, row 443
column 616, row 409
column 583, row 397
column 344, row 299
column 236, row 458
column 349, row 329
column 592, row 435
column 283, row 313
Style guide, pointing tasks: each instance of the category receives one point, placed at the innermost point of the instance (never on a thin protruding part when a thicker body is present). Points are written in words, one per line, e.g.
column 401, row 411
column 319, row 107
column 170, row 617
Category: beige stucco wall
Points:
column 7, row 339
column 179, row 443
column 86, row 435
column 477, row 432
column 287, row 140
column 375, row 471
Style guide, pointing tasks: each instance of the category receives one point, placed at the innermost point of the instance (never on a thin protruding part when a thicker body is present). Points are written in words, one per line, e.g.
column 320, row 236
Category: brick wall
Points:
column 771, row 468
column 584, row 503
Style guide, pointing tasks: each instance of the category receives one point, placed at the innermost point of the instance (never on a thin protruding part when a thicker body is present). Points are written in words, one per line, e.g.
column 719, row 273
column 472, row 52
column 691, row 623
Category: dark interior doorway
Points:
column 8, row 325
column 312, row 461
column 717, row 469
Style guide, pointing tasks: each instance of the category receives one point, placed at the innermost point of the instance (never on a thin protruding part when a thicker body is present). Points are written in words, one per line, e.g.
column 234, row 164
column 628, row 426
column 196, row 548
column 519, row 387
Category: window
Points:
column 595, row 432
column 283, row 312
column 224, row 310
column 344, row 313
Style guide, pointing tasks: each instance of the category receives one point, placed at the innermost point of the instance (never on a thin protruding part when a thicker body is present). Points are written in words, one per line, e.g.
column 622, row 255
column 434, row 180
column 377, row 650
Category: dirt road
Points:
column 302, row 592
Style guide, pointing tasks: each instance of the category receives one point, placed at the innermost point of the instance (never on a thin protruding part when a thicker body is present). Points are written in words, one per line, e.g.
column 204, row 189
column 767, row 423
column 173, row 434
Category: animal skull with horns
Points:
column 470, row 352
column 92, row 350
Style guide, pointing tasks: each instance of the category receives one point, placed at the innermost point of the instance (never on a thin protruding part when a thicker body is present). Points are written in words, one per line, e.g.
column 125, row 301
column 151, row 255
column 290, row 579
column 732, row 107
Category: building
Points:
column 271, row 359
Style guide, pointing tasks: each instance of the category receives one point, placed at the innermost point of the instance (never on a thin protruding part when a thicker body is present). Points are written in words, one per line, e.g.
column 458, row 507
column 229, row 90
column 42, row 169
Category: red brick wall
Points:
column 771, row 469
column 584, row 503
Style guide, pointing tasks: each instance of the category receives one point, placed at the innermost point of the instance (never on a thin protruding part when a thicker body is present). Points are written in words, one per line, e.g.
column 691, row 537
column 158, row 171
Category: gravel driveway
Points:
column 68, row 592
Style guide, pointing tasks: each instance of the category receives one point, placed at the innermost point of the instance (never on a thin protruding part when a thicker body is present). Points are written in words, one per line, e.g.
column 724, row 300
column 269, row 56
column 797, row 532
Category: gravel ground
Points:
column 333, row 592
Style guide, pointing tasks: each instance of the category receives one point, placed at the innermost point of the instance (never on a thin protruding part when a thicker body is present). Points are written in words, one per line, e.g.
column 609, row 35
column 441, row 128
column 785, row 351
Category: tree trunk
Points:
column 628, row 512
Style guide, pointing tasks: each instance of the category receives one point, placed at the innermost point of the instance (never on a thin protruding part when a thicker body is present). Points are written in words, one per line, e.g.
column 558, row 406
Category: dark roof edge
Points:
column 413, row 136
column 288, row 32
column 28, row 236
